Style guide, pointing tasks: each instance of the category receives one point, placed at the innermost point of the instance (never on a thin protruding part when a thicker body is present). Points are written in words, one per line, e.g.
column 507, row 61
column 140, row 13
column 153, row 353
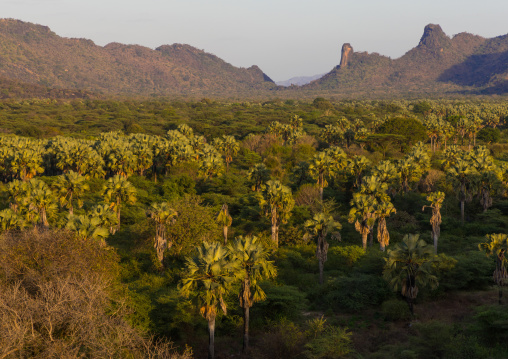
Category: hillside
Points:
column 34, row 54
column 438, row 65
column 34, row 61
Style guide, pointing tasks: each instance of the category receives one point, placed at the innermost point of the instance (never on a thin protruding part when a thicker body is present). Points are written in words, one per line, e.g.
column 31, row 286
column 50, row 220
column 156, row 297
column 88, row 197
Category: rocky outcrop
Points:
column 347, row 51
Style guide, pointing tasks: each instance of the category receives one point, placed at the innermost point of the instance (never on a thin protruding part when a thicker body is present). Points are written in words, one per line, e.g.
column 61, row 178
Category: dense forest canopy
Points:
column 315, row 229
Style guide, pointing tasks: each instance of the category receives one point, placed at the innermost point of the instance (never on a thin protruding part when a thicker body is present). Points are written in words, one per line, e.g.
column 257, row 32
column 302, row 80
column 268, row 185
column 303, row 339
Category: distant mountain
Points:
column 34, row 54
column 299, row 81
column 439, row 65
column 35, row 62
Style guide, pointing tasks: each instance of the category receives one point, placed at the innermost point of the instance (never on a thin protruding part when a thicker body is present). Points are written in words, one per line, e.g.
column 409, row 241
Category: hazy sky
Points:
column 285, row 38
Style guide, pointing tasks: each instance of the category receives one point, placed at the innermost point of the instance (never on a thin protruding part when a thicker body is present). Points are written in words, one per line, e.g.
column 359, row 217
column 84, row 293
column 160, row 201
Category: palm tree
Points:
column 497, row 245
column 357, row 167
column 212, row 165
column 41, row 200
column 208, row 277
column 462, row 173
column 408, row 266
column 321, row 167
column 162, row 214
column 277, row 202
column 87, row 228
column 106, row 216
column 10, row 220
column 363, row 214
column 383, row 211
column 252, row 259
column 117, row 190
column 373, row 186
column 258, row 174
column 319, row 227
column 225, row 220
column 436, row 200
column 228, row 146
column 71, row 185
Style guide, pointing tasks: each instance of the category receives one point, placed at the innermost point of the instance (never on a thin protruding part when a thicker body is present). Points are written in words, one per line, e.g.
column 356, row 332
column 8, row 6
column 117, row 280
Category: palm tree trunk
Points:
column 321, row 268
column 435, row 237
column 371, row 236
column 118, row 213
column 275, row 228
column 225, row 230
column 410, row 304
column 245, row 328
column 462, row 206
column 211, row 341
column 365, row 233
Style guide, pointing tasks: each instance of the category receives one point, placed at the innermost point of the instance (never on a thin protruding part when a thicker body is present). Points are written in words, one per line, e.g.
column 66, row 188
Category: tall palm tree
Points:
column 71, row 186
column 41, row 200
column 208, row 277
column 277, row 202
column 117, row 190
column 383, row 211
column 319, row 227
column 258, row 174
column 162, row 214
column 408, row 266
column 436, row 200
column 321, row 167
column 253, row 265
column 225, row 220
column 497, row 245
column 462, row 173
column 357, row 166
column 363, row 214
column 228, row 146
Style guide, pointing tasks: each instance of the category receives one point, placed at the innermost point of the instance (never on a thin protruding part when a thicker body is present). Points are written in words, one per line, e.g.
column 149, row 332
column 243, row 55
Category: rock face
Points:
column 347, row 51
column 434, row 38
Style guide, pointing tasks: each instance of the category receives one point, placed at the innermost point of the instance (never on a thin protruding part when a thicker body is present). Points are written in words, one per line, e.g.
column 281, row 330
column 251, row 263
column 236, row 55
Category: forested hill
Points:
column 438, row 65
column 34, row 54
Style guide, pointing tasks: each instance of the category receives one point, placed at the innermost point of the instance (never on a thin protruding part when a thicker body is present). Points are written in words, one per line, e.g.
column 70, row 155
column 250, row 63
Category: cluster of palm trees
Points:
column 33, row 202
column 213, row 271
column 114, row 154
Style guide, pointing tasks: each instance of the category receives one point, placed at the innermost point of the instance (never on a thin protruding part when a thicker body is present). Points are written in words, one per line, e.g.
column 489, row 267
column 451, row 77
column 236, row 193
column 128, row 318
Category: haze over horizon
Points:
column 284, row 38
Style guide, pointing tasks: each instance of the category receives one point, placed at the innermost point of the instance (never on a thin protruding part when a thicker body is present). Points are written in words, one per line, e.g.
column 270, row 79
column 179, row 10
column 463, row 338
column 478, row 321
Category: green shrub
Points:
column 333, row 343
column 353, row 294
column 395, row 309
column 282, row 301
column 343, row 256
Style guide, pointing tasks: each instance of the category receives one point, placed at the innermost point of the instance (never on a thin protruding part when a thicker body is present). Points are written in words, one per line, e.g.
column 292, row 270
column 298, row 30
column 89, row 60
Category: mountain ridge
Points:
column 439, row 65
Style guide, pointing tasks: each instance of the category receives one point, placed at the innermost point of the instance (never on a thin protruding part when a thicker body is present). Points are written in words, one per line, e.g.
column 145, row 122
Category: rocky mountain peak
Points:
column 434, row 37
column 346, row 52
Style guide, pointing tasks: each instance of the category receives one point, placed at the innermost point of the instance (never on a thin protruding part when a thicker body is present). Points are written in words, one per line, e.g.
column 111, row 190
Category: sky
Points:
column 285, row 38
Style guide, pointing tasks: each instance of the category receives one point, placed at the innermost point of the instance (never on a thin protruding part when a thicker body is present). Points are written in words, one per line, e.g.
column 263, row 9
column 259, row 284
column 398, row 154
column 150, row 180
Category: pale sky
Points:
column 285, row 38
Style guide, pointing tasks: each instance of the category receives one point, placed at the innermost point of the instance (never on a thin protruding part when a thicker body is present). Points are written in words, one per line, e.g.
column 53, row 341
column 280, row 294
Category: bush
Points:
column 395, row 309
column 353, row 294
column 57, row 300
column 282, row 301
column 473, row 270
column 344, row 256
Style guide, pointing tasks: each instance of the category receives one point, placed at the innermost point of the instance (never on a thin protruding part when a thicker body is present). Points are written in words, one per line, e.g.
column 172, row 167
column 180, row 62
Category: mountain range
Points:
column 34, row 61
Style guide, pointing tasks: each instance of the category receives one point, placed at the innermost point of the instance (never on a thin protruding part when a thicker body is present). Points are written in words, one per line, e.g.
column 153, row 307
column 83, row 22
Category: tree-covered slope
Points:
column 34, row 54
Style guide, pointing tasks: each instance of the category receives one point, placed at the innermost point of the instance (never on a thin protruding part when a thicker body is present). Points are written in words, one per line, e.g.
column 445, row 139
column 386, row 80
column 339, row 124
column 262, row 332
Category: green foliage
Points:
column 344, row 256
column 282, row 301
column 353, row 294
column 395, row 309
column 333, row 343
